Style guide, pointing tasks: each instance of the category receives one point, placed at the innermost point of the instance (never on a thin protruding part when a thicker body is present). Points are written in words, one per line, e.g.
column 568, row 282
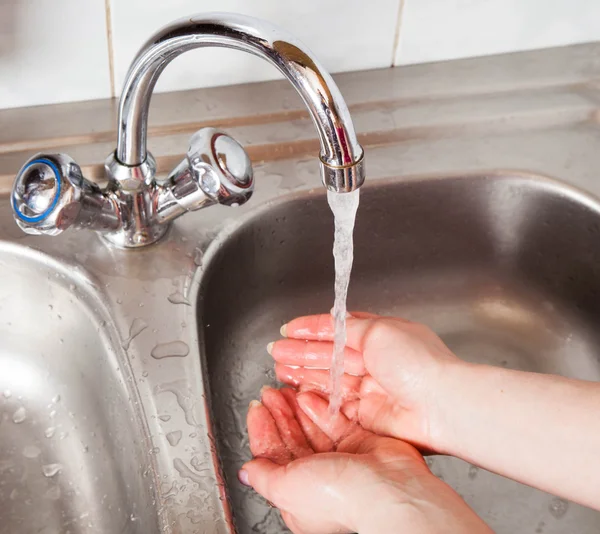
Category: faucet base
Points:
column 136, row 239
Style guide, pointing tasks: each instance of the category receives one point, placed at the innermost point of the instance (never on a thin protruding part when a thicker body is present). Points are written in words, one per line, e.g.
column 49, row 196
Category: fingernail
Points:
column 243, row 477
column 255, row 404
column 263, row 389
column 283, row 330
column 270, row 346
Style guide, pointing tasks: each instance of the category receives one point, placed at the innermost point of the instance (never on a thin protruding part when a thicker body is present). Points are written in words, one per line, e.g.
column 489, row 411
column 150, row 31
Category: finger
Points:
column 337, row 427
column 265, row 477
column 317, row 439
column 263, row 434
column 315, row 354
column 363, row 315
column 370, row 386
column 321, row 328
column 289, row 429
column 317, row 379
column 350, row 410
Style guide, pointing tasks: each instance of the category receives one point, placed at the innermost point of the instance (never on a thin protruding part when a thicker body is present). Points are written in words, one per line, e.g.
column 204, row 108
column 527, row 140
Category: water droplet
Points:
column 174, row 437
column 155, row 450
column 170, row 350
column 196, row 463
column 198, row 256
column 558, row 507
column 164, row 418
column 144, row 374
column 132, row 517
column 20, row 415
column 31, row 451
column 119, row 301
column 178, row 298
column 52, row 414
column 50, row 470
column 473, row 470
column 184, row 396
column 63, row 435
column 56, row 399
column 49, row 432
column 185, row 472
column 195, row 516
column 137, row 327
column 7, row 393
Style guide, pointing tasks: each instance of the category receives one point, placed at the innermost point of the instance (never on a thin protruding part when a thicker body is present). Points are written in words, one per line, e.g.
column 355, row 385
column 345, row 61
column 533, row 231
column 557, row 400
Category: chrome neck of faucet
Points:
column 50, row 193
column 341, row 155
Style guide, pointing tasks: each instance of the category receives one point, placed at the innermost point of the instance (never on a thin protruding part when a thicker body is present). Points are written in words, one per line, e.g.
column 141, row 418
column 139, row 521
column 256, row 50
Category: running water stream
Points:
column 344, row 208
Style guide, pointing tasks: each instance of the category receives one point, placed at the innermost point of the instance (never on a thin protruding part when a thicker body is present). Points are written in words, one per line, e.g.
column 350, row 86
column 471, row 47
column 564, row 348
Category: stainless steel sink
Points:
column 74, row 453
column 505, row 267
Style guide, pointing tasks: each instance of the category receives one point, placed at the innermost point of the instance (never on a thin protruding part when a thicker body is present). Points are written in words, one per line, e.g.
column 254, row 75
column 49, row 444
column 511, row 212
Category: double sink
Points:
column 125, row 376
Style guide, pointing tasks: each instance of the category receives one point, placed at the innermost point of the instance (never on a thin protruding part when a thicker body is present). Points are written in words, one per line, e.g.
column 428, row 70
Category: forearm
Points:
column 435, row 508
column 541, row 430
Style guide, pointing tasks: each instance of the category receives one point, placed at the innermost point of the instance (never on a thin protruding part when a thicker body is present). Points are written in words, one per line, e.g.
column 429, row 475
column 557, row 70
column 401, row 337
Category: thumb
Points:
column 265, row 477
column 382, row 416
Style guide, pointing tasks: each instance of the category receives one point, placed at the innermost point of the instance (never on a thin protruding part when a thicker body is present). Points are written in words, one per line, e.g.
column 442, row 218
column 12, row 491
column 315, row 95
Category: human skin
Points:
column 402, row 381
column 329, row 475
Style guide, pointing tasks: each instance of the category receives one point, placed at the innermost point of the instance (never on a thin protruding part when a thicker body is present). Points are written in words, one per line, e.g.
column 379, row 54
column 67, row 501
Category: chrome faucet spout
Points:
column 341, row 155
column 134, row 210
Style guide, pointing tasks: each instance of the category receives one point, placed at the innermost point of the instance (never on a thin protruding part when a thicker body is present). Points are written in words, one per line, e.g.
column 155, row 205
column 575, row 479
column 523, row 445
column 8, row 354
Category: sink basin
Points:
column 73, row 451
column 504, row 266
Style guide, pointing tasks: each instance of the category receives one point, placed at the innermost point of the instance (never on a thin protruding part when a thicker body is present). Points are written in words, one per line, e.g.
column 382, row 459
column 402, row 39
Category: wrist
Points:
column 448, row 407
column 426, row 505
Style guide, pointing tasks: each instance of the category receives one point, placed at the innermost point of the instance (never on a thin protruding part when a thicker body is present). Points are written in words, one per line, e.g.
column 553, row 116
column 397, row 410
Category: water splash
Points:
column 174, row 437
column 170, row 350
column 137, row 327
column 185, row 472
column 473, row 471
column 344, row 207
column 20, row 415
column 558, row 507
column 178, row 298
column 51, row 470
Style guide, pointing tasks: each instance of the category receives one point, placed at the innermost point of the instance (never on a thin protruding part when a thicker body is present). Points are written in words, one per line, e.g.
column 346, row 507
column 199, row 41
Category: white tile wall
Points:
column 57, row 50
column 344, row 34
column 434, row 30
column 52, row 51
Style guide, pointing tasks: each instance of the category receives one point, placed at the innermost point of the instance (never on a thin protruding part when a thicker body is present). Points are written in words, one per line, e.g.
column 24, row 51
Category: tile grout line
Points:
column 109, row 39
column 397, row 32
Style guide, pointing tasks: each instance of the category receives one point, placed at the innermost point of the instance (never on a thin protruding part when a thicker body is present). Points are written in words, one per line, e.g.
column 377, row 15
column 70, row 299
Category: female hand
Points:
column 330, row 475
column 394, row 378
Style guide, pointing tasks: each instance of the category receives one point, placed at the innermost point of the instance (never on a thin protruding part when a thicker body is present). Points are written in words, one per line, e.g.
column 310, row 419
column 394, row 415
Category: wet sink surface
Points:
column 72, row 447
column 505, row 267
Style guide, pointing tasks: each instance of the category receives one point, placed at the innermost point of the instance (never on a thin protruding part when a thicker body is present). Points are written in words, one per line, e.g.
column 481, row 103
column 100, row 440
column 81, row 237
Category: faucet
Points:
column 135, row 209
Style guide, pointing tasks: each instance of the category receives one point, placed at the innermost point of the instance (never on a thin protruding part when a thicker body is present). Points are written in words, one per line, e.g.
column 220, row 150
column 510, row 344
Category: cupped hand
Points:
column 394, row 372
column 330, row 475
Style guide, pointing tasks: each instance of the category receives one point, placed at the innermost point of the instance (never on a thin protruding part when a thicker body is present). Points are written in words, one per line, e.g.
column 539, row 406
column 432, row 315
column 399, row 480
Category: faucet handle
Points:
column 46, row 194
column 221, row 166
column 216, row 170
column 50, row 195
